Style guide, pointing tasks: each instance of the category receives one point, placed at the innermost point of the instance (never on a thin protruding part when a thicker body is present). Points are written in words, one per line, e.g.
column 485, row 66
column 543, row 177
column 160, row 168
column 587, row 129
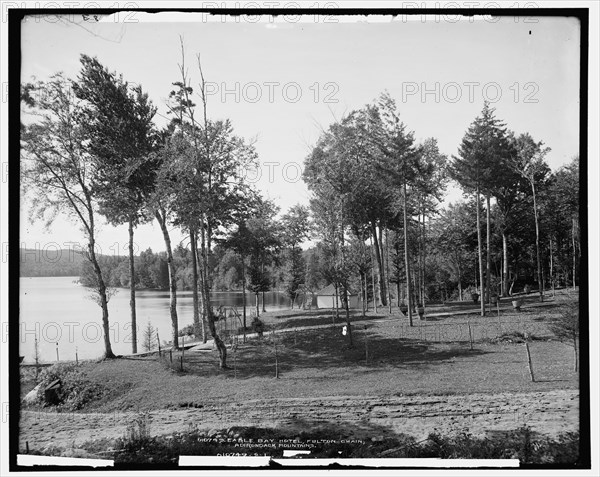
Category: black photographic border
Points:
column 15, row 16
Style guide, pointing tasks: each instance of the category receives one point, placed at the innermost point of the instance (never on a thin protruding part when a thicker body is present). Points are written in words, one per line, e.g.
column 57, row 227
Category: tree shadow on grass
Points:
column 432, row 318
column 551, row 380
column 327, row 348
column 319, row 317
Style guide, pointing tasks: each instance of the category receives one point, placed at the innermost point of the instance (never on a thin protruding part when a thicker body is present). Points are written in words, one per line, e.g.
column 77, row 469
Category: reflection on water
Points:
column 57, row 310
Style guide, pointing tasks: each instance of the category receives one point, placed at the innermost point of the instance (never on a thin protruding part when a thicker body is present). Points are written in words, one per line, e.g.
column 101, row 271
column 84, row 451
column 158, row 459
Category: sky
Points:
column 282, row 82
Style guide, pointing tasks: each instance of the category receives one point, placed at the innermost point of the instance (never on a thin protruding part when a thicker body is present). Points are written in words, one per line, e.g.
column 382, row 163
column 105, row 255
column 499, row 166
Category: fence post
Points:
column 333, row 317
column 529, row 362
column 470, row 336
column 57, row 360
column 76, row 357
column 37, row 358
column 366, row 346
column 158, row 340
column 171, row 355
column 234, row 362
column 276, row 360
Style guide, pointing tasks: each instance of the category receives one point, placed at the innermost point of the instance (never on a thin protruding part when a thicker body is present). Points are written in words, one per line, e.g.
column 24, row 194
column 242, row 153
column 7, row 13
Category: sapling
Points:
column 566, row 328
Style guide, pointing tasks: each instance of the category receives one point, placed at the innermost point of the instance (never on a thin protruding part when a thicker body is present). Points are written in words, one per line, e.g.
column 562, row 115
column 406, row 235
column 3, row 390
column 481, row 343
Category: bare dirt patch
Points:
column 549, row 413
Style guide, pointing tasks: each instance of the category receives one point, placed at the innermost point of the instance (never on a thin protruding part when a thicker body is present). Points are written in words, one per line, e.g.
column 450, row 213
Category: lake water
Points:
column 58, row 310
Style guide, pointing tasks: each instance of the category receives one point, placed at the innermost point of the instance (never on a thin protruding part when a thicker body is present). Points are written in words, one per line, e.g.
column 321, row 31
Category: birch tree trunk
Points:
column 574, row 255
column 424, row 251
column 208, row 313
column 406, row 257
column 244, row 296
column 504, row 264
column 488, row 262
column 537, row 245
column 194, row 247
column 108, row 352
column 387, row 270
column 162, row 221
column 459, row 282
column 380, row 266
column 481, row 280
column 551, row 267
column 132, row 291
column 373, row 278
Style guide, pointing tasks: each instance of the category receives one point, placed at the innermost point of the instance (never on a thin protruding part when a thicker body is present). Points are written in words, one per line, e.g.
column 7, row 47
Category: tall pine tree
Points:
column 482, row 160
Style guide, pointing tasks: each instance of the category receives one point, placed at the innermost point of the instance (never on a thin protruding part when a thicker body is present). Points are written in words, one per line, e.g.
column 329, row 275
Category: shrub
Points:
column 523, row 444
column 566, row 328
column 187, row 330
column 76, row 390
column 514, row 337
column 137, row 434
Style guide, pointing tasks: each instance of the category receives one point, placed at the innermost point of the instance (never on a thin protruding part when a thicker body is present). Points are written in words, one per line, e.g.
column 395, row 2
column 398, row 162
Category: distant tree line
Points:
column 49, row 263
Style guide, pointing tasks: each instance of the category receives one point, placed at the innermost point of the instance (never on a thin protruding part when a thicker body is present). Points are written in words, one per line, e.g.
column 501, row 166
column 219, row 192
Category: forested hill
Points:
column 50, row 263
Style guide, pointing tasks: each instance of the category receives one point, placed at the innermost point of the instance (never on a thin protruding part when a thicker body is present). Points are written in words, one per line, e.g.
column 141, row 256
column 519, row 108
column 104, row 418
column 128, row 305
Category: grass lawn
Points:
column 295, row 318
column 396, row 368
column 319, row 362
column 388, row 357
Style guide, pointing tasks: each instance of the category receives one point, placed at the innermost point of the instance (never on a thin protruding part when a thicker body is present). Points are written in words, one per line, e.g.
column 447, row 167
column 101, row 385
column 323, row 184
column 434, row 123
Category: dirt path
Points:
column 549, row 413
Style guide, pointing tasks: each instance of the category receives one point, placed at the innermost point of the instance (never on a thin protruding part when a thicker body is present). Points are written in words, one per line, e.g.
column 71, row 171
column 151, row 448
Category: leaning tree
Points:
column 58, row 169
column 118, row 123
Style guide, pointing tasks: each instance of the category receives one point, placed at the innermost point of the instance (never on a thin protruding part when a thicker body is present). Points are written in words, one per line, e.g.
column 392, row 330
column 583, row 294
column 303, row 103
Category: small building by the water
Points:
column 326, row 298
